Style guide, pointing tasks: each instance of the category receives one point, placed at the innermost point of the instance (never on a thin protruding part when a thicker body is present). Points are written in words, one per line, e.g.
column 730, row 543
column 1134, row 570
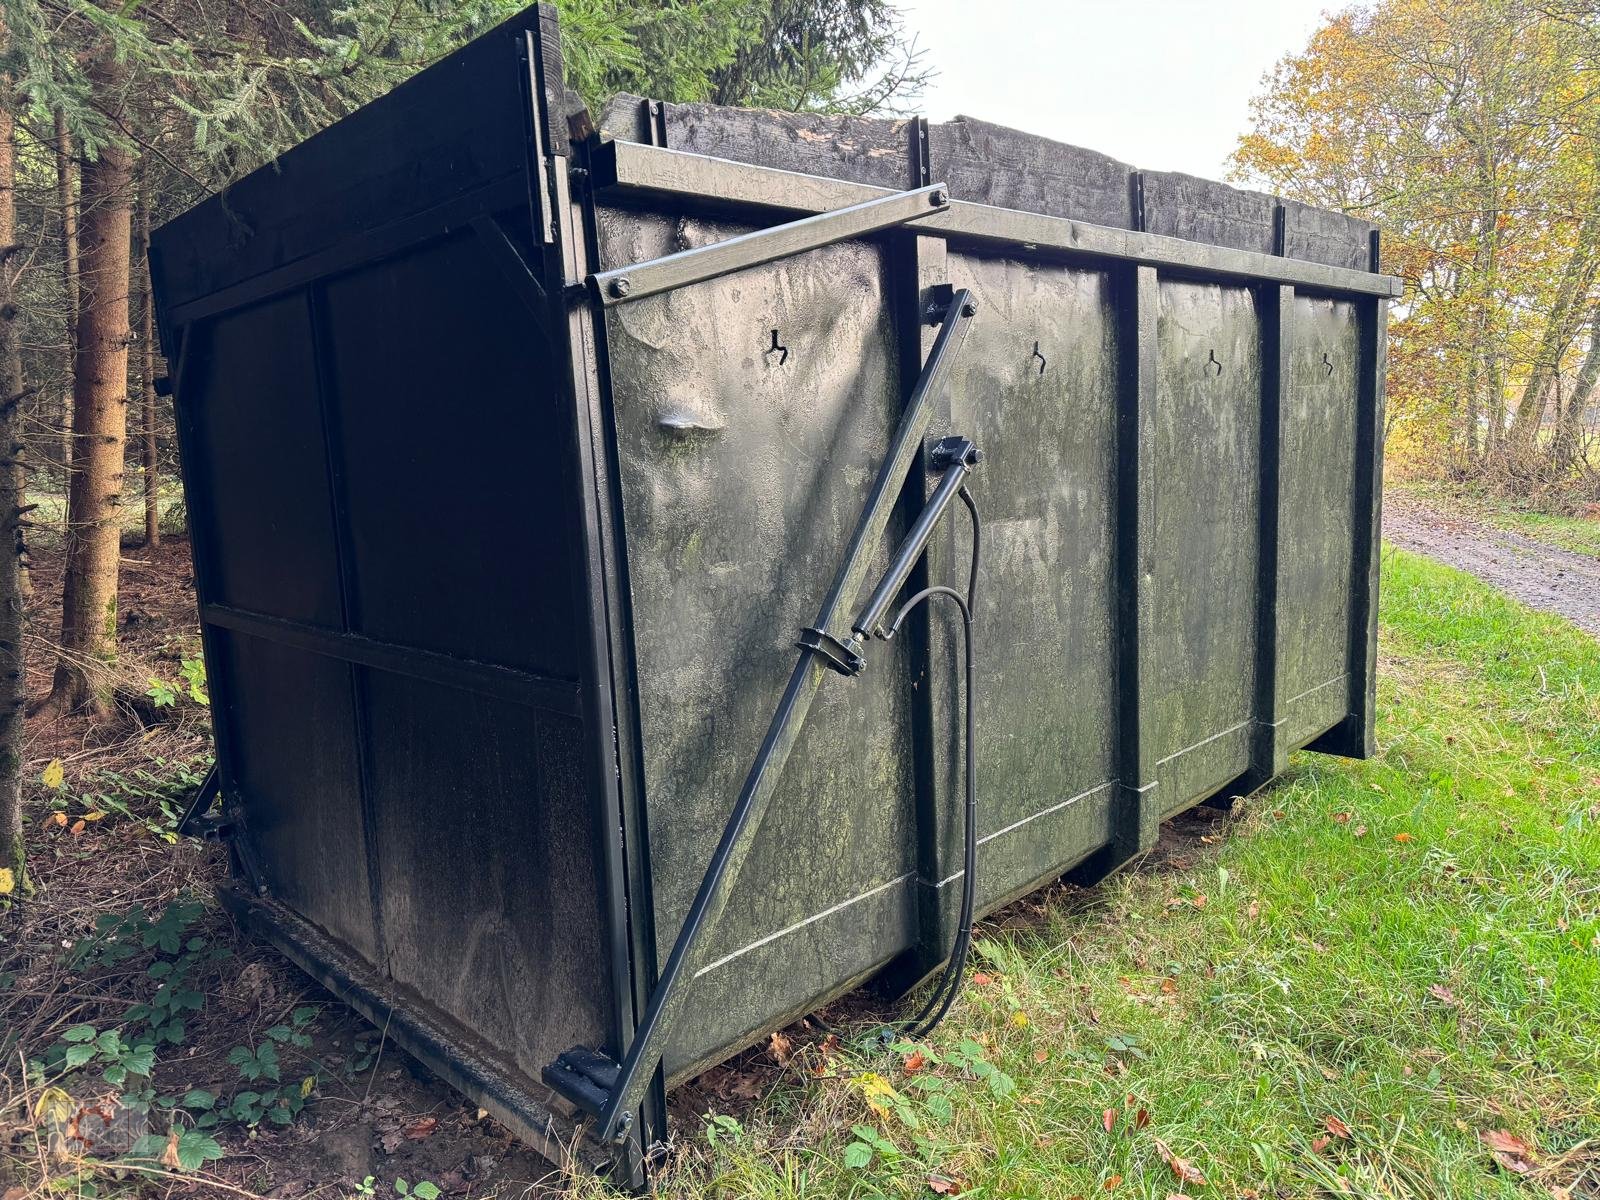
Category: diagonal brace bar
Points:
column 766, row 245
column 738, row 836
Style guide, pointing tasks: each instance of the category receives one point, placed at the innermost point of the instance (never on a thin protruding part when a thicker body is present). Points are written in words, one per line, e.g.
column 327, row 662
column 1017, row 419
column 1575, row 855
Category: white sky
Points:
column 1160, row 84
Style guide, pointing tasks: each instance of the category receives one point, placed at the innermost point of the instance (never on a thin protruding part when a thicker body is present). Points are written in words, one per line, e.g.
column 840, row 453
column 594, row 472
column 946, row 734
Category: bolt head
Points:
column 621, row 287
column 969, row 309
column 938, row 197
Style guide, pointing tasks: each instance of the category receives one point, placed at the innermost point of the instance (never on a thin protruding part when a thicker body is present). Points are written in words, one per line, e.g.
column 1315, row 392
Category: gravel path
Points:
column 1540, row 576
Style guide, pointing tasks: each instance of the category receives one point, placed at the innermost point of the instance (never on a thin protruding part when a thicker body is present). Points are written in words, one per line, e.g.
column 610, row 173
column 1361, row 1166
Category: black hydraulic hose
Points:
column 949, row 985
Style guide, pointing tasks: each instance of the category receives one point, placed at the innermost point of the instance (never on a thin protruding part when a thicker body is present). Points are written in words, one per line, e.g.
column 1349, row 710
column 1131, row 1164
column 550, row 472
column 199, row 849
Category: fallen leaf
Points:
column 1361, row 831
column 1253, row 910
column 1041, row 1055
column 59, row 818
column 1113, row 1183
column 979, row 979
column 1109, row 1119
column 1141, row 1119
column 1019, row 1019
column 1177, row 1196
column 1341, row 818
column 53, row 775
column 1200, row 900
column 8, row 884
column 1443, row 994
column 916, row 1062
column 940, row 1185
column 1336, row 1127
column 420, row 1129
column 1510, row 1151
column 1318, row 1145
column 169, row 1153
column 77, row 827
column 1181, row 1167
column 780, row 1047
column 14, row 1193
column 1404, row 837
column 1169, row 986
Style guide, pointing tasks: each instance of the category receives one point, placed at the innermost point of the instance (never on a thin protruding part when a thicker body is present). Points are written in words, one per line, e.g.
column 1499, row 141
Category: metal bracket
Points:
column 840, row 656
column 766, row 245
column 583, row 1075
column 194, row 820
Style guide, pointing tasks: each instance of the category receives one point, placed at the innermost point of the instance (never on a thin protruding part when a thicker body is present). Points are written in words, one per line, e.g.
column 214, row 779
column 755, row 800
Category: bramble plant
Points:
column 126, row 1055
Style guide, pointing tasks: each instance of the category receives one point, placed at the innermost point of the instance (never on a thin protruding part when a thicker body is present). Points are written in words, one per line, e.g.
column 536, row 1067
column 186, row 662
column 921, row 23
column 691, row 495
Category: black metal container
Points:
column 519, row 459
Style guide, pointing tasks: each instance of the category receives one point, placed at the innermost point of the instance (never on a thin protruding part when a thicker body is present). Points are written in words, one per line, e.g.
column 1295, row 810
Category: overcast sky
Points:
column 1161, row 84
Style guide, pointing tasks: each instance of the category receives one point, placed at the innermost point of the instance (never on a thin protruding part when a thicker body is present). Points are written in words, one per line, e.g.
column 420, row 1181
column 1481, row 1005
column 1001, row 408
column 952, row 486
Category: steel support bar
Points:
column 738, row 836
column 205, row 795
column 624, row 168
column 766, row 245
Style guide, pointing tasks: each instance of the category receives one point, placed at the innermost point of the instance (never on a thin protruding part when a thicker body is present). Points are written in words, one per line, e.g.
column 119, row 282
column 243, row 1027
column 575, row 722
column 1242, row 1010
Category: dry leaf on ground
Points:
column 1510, row 1151
column 1181, row 1167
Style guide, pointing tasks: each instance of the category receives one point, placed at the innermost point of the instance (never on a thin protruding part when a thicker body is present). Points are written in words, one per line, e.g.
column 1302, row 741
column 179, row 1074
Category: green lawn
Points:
column 1377, row 964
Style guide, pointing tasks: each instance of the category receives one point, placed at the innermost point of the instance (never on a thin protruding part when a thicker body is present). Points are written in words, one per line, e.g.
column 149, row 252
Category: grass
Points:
column 1578, row 534
column 1370, row 968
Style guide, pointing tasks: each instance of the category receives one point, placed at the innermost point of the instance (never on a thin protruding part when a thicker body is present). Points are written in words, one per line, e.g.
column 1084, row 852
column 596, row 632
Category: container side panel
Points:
column 490, row 896
column 1200, row 210
column 1036, row 388
column 294, row 777
column 252, row 394
column 446, row 409
column 1315, row 532
column 992, row 164
column 742, row 471
column 1202, row 566
column 444, row 132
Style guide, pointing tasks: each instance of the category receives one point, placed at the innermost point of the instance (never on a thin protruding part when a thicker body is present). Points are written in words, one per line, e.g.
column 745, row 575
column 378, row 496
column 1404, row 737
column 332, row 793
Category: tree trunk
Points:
column 67, row 214
column 12, row 505
column 99, row 421
column 147, row 372
column 1569, row 429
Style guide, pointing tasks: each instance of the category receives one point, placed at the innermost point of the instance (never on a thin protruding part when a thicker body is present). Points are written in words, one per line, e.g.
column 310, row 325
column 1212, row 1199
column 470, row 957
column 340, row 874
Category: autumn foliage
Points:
column 1470, row 131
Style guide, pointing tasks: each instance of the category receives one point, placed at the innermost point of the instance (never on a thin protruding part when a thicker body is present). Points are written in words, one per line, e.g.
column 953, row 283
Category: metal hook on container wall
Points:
column 1327, row 362
column 1039, row 356
column 1213, row 361
column 781, row 351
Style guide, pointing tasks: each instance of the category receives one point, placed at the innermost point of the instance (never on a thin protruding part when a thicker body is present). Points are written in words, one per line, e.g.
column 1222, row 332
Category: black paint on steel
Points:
column 625, row 169
column 702, row 263
column 1182, row 501
column 645, row 1052
column 954, row 457
column 199, row 805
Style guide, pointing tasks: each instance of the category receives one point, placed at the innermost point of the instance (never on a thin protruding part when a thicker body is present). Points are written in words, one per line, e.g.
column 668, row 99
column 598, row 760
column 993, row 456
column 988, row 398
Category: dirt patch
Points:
column 1542, row 577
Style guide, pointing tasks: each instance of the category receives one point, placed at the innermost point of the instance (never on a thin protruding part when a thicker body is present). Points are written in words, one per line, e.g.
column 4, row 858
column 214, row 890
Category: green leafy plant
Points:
column 152, row 798
column 192, row 1147
column 166, row 695
column 422, row 1189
